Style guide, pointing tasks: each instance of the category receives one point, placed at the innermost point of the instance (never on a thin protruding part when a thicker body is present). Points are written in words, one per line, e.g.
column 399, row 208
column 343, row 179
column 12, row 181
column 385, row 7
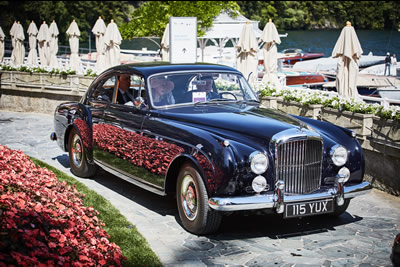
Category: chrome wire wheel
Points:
column 189, row 197
column 77, row 151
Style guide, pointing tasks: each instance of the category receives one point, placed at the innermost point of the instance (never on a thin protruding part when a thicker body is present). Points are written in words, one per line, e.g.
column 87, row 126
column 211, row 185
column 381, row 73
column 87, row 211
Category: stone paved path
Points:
column 363, row 236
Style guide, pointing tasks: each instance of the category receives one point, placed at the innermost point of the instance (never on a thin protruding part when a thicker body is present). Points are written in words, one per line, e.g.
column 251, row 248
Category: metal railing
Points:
column 63, row 63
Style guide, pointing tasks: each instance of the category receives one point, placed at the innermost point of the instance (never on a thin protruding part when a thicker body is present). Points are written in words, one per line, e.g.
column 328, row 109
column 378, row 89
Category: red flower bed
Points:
column 43, row 221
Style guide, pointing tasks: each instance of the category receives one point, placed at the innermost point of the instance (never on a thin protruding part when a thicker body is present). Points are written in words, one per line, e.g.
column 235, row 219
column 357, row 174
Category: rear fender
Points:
column 82, row 123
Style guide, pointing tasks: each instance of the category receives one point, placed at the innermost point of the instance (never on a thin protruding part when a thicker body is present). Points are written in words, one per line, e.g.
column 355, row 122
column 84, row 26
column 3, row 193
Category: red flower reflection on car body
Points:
column 151, row 154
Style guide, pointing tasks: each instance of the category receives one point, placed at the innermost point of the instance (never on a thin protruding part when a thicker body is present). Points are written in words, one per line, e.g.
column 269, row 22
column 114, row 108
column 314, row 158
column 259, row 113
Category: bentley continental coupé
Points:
column 197, row 131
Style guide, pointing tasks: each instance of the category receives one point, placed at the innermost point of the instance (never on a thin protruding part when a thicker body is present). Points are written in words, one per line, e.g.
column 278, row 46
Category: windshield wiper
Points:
column 251, row 101
column 213, row 101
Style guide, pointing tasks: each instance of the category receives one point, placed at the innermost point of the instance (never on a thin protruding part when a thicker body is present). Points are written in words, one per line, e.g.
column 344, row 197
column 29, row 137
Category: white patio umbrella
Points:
column 165, row 44
column 12, row 34
column 19, row 48
column 2, row 38
column 270, row 37
column 348, row 51
column 43, row 39
column 247, row 53
column 74, row 33
column 112, row 40
column 99, row 29
column 53, row 45
column 32, row 34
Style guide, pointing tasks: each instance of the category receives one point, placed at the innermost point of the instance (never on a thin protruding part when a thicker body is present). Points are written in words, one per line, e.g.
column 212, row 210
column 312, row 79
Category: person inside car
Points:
column 206, row 85
column 123, row 95
column 161, row 91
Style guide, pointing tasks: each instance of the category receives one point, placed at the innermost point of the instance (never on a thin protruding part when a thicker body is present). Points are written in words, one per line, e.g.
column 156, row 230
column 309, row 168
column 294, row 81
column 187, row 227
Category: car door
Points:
column 120, row 145
column 100, row 97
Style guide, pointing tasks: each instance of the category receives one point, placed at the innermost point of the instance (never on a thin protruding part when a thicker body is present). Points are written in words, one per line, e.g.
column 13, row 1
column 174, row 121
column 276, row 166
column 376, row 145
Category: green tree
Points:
column 63, row 12
column 151, row 18
column 294, row 15
column 260, row 11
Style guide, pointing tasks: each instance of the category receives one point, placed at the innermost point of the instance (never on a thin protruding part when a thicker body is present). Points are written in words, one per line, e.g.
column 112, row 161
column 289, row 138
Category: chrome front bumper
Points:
column 277, row 198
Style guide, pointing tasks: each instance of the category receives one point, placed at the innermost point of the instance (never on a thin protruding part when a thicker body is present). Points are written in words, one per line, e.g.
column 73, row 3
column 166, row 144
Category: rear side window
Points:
column 104, row 90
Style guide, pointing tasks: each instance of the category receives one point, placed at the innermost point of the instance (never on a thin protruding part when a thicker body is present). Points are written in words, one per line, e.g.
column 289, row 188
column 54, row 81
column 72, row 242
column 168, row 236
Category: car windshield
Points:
column 199, row 88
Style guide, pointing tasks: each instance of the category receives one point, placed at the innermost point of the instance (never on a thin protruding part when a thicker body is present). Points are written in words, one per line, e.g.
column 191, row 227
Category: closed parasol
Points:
column 43, row 38
column 32, row 34
column 348, row 51
column 19, row 48
column 247, row 53
column 53, row 45
column 270, row 37
column 165, row 44
column 74, row 33
column 99, row 30
column 2, row 38
column 112, row 40
column 12, row 34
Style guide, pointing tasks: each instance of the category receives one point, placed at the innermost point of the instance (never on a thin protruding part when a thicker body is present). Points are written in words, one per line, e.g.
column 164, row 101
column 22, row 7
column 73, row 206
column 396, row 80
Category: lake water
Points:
column 377, row 42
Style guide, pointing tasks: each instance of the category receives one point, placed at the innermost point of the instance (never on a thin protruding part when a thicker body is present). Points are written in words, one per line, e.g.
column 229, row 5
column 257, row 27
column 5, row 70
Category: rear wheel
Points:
column 192, row 200
column 77, row 157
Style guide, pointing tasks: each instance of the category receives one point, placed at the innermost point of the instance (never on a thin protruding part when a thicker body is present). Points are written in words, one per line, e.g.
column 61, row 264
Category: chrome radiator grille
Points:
column 298, row 164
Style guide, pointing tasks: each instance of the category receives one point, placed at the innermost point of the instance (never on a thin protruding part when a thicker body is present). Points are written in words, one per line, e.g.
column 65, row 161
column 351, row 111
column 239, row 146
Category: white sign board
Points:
column 183, row 39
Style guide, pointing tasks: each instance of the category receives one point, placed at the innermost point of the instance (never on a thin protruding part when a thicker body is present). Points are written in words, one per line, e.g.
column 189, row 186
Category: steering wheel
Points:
column 229, row 93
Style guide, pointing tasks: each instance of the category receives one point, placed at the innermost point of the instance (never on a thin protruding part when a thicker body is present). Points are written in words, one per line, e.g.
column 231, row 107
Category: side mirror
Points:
column 140, row 103
column 248, row 77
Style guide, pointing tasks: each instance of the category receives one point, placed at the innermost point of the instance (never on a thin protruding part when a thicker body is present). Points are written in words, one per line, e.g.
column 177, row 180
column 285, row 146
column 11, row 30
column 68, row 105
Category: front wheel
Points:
column 77, row 157
column 192, row 200
column 339, row 210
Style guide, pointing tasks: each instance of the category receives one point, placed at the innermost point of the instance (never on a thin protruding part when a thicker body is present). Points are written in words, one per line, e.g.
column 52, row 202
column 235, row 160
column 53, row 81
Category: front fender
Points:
column 334, row 134
column 205, row 150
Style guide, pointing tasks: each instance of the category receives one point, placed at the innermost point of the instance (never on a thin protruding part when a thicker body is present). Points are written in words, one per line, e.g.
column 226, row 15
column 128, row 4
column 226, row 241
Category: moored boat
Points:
column 292, row 55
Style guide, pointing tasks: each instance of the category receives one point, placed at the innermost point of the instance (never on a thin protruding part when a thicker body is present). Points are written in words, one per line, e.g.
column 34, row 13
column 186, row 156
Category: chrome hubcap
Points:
column 77, row 151
column 189, row 197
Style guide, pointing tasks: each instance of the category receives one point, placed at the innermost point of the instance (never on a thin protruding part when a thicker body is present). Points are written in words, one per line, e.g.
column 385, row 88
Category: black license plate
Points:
column 308, row 208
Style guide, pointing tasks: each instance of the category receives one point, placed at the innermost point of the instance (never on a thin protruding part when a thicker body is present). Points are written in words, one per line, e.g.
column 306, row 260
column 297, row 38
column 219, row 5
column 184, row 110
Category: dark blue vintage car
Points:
column 198, row 131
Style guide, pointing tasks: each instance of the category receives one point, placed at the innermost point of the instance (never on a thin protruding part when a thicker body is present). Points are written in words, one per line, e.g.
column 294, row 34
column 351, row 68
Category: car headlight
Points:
column 258, row 162
column 338, row 155
column 259, row 184
column 346, row 173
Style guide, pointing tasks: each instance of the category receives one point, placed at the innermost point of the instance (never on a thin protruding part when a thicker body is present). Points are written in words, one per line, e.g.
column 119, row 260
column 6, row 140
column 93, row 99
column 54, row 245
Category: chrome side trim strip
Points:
column 269, row 201
column 130, row 180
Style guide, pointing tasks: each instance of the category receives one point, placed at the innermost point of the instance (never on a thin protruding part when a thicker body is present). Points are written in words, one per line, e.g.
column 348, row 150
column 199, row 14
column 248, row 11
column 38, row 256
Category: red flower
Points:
column 43, row 221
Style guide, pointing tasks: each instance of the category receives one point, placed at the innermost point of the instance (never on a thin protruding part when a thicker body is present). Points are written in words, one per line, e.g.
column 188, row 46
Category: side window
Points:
column 137, row 85
column 130, row 86
column 104, row 90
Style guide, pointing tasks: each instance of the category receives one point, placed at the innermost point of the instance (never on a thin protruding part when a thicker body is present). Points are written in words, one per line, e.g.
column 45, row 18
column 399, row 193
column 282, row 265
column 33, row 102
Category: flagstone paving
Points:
column 363, row 236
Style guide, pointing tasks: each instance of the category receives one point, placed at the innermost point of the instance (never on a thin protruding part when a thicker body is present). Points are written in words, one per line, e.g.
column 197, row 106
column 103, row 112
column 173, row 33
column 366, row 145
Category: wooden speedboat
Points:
column 292, row 55
column 301, row 78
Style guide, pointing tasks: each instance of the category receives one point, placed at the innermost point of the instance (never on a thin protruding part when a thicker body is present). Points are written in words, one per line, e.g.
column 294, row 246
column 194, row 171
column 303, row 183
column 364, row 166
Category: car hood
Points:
column 254, row 121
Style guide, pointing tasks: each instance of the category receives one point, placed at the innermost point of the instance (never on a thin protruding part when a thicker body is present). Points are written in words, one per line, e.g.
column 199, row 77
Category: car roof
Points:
column 149, row 68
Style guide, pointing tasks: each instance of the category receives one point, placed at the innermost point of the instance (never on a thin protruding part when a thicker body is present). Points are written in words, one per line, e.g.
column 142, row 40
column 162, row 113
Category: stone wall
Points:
column 39, row 92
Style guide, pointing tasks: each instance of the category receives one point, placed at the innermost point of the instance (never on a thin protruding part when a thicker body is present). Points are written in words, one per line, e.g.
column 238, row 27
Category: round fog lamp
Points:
column 339, row 155
column 258, row 162
column 259, row 184
column 345, row 172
